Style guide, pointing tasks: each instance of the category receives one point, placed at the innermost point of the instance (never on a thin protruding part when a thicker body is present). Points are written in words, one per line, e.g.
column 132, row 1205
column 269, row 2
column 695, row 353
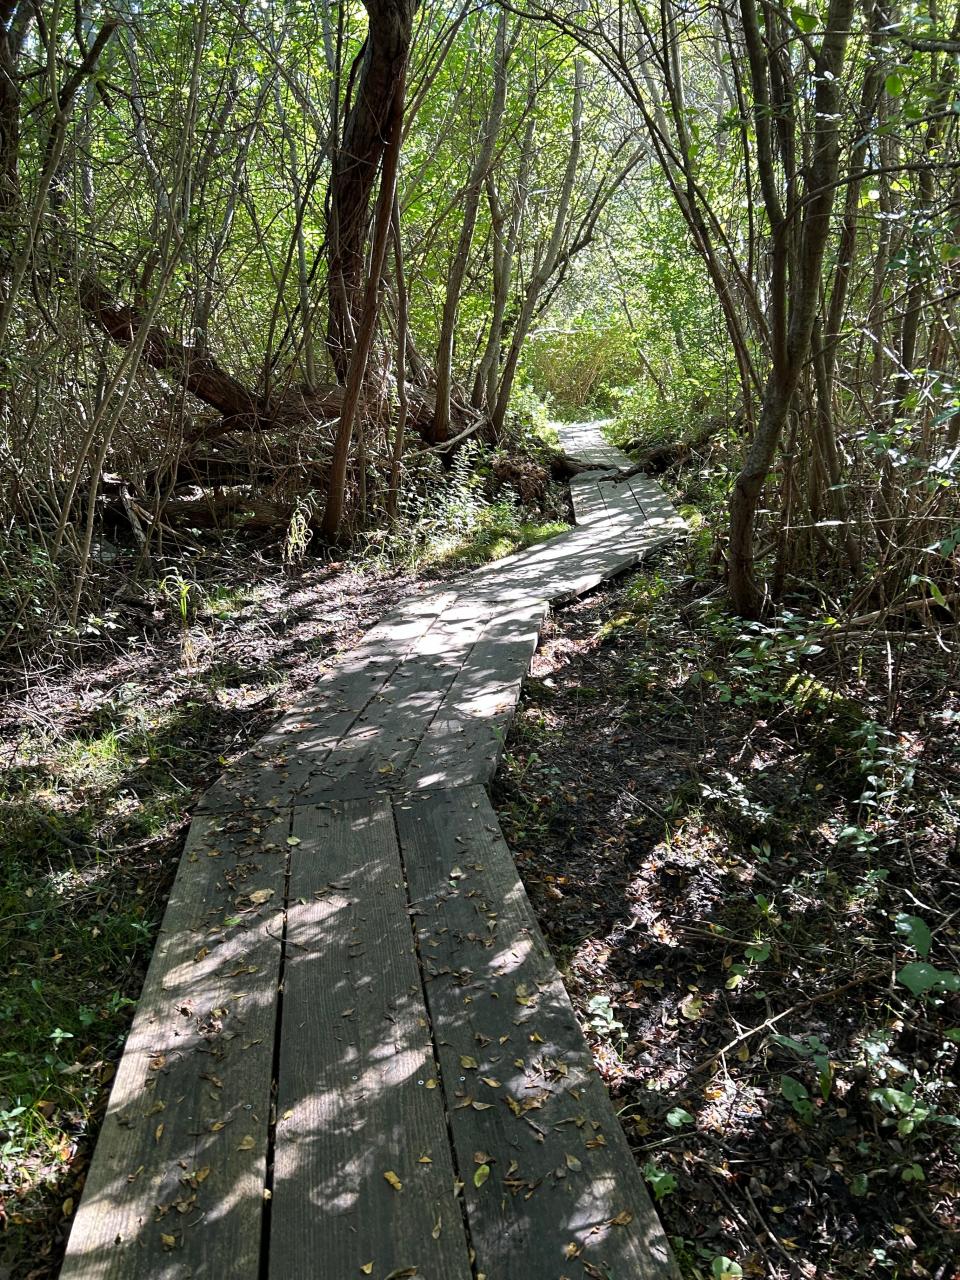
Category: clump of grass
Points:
column 499, row 530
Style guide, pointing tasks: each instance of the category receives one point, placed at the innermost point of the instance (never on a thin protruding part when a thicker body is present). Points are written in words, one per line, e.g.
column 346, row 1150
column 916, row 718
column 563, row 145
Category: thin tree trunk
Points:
column 471, row 206
column 367, row 320
column 790, row 353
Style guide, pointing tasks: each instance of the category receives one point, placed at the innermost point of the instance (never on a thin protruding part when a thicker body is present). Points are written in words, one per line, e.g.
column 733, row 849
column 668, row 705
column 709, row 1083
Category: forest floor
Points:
column 737, row 839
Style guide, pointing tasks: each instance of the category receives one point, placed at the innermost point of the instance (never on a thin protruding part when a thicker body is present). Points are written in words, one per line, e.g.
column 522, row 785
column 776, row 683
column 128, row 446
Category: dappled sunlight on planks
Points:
column 353, row 1053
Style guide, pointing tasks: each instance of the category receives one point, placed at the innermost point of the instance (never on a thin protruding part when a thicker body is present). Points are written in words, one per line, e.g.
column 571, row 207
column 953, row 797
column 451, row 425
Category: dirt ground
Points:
column 729, row 861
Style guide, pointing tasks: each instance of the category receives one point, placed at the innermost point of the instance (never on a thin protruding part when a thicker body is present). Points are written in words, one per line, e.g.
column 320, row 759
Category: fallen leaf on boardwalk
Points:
column 572, row 1250
column 260, row 896
column 394, row 1181
column 468, row 1063
column 489, row 1080
column 481, row 1106
column 622, row 1219
column 573, row 1163
column 436, row 1229
column 202, row 954
column 246, row 1143
column 216, row 1125
column 293, row 840
column 168, row 1242
column 431, row 1084
column 367, row 1268
column 158, row 1133
column 481, row 1175
column 522, row 994
column 202, row 1174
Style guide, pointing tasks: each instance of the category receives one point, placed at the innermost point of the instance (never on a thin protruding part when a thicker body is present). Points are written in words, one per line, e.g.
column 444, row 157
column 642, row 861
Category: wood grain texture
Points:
column 464, row 741
column 523, row 1097
column 374, row 754
column 358, row 1095
column 177, row 1179
column 278, row 768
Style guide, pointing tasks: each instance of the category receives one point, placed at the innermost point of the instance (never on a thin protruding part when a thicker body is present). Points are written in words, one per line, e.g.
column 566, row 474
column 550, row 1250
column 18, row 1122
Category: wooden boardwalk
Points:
column 353, row 1054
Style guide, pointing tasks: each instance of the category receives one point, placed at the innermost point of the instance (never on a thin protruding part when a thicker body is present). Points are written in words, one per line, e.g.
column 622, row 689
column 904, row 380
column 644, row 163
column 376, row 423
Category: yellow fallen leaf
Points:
column 494, row 1084
column 481, row 1175
column 367, row 1268
column 247, row 1143
column 573, row 1163
column 260, row 896
column 431, row 1084
column 622, row 1219
column 691, row 1007
column 68, row 1207
column 468, row 1063
column 168, row 1242
column 293, row 841
column 158, row 1133
column 394, row 1181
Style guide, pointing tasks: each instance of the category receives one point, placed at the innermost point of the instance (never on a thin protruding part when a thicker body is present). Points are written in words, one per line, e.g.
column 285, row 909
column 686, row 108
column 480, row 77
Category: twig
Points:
column 794, row 1008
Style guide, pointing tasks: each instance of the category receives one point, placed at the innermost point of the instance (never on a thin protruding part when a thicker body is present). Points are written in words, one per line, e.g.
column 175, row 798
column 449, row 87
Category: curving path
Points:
column 353, row 1054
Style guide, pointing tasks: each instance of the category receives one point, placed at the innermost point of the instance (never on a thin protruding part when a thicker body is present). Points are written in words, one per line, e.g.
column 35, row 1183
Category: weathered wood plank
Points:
column 584, row 442
column 523, row 1097
column 278, row 767
column 357, row 1095
column 175, row 1189
column 465, row 739
column 589, row 506
column 372, row 756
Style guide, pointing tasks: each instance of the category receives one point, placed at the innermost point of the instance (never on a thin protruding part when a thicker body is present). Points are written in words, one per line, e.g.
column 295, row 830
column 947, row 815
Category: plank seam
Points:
column 458, row 1173
column 266, row 1218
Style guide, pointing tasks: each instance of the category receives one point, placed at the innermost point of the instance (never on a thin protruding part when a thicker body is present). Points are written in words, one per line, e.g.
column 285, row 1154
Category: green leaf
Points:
column 894, row 84
column 792, row 1089
column 481, row 1175
column 758, row 952
column 661, row 1183
column 921, row 977
column 916, row 932
column 677, row 1118
column 805, row 22
column 722, row 1268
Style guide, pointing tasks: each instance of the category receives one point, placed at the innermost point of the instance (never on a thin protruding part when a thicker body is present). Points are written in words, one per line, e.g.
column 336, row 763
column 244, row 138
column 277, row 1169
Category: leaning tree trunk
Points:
column 366, row 128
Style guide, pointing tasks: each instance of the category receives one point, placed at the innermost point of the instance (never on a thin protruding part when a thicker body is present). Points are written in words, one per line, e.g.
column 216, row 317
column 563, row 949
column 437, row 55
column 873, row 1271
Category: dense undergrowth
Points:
column 742, row 841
